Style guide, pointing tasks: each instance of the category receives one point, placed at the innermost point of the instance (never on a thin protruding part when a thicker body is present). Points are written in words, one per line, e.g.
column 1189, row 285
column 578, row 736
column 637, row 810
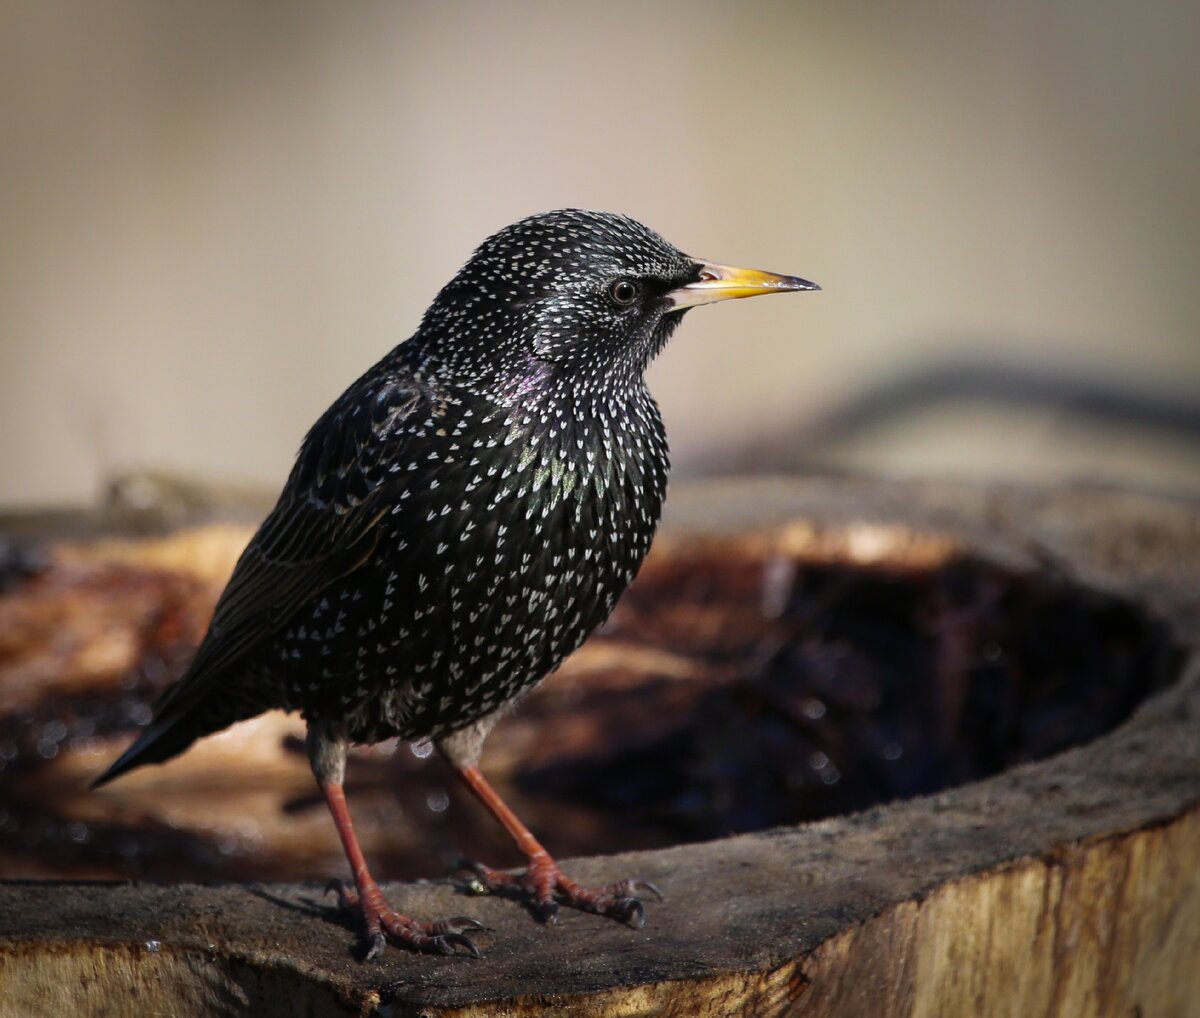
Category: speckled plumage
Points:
column 466, row 512
column 457, row 522
column 510, row 529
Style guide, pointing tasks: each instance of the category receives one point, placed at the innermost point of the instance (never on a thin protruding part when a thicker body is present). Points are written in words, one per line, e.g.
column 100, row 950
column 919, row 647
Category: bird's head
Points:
column 594, row 293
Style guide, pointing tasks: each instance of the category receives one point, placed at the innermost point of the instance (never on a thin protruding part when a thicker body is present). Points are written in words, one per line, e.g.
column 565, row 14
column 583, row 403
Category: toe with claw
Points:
column 383, row 923
column 546, row 887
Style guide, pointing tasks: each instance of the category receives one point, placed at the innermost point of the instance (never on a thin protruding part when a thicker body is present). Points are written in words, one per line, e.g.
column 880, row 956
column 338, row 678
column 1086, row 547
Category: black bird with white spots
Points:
column 457, row 523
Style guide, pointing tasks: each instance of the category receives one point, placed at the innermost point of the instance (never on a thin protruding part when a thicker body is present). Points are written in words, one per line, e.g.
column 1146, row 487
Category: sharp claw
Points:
column 346, row 900
column 447, row 943
column 455, row 924
column 631, row 889
column 645, row 885
column 631, row 911
column 375, row 947
column 548, row 912
column 465, row 922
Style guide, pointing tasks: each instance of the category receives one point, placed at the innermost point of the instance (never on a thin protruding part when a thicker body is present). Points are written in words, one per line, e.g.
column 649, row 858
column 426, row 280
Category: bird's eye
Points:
column 624, row 292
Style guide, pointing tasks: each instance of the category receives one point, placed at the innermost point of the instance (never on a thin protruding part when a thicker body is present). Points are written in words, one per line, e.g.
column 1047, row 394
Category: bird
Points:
column 455, row 524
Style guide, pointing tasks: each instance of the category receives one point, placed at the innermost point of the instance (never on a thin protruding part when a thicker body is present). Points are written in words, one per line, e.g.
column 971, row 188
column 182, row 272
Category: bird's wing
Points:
column 301, row 548
column 324, row 526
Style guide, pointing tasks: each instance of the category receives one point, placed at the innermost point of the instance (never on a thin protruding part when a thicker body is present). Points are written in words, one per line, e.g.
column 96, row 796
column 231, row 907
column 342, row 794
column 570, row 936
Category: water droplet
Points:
column 421, row 749
column 812, row 708
column 893, row 751
column 438, row 801
column 54, row 731
column 153, row 946
column 79, row 833
column 818, row 760
column 141, row 714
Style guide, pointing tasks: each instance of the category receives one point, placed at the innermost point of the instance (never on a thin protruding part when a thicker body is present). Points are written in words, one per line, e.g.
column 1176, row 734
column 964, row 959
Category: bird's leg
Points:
column 327, row 753
column 382, row 921
column 543, row 880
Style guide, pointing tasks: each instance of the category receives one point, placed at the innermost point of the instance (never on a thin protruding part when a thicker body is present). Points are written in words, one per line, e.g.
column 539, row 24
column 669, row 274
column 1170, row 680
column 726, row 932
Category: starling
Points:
column 455, row 524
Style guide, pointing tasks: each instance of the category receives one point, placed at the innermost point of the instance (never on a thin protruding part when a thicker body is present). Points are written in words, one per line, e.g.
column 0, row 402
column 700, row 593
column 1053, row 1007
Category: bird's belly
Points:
column 442, row 635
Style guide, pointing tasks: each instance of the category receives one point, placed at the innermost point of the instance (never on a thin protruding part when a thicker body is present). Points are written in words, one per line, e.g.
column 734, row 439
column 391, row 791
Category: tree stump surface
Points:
column 1069, row 886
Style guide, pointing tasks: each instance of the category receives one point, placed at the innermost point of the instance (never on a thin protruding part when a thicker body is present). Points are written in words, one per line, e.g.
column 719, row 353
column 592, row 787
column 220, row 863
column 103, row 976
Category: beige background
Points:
column 216, row 214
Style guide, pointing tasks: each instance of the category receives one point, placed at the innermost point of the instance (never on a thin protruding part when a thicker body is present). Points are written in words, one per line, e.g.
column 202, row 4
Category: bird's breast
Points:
column 502, row 550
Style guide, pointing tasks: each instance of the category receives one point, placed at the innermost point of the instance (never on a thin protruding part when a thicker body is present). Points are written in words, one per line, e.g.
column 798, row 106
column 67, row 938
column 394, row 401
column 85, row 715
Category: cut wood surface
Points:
column 1066, row 887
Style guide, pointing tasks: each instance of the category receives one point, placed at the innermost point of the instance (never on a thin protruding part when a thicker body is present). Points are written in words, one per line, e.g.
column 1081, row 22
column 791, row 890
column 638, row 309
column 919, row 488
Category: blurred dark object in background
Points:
column 984, row 418
column 137, row 502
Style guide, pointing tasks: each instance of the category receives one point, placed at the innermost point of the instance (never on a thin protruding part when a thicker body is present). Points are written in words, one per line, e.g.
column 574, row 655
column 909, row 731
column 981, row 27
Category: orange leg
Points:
column 543, row 880
column 382, row 921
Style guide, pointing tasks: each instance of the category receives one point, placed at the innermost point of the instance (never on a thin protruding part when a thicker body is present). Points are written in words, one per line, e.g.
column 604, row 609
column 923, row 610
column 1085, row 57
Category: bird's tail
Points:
column 185, row 712
column 158, row 743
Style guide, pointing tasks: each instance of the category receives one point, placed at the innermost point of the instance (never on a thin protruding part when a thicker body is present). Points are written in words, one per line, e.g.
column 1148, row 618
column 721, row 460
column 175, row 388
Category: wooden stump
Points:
column 1069, row 886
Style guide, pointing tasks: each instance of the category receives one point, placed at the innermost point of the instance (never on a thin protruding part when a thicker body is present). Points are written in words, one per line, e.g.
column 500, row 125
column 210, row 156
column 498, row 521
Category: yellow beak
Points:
column 725, row 282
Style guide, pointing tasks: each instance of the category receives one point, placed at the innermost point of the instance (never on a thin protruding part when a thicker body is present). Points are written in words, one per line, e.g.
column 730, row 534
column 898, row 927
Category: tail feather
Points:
column 157, row 744
column 184, row 713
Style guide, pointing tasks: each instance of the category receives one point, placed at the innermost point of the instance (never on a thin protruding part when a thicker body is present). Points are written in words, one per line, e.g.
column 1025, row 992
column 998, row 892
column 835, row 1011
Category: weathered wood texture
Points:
column 1068, row 887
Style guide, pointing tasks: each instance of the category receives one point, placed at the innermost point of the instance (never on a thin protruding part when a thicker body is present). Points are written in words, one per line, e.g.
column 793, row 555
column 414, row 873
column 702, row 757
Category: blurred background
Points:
column 216, row 215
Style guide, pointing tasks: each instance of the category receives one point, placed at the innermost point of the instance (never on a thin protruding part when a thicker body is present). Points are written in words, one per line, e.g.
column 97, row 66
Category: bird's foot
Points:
column 383, row 923
column 548, row 886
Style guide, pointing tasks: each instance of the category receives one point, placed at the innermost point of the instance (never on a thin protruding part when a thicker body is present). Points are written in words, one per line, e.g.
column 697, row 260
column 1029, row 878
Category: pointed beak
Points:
column 725, row 282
